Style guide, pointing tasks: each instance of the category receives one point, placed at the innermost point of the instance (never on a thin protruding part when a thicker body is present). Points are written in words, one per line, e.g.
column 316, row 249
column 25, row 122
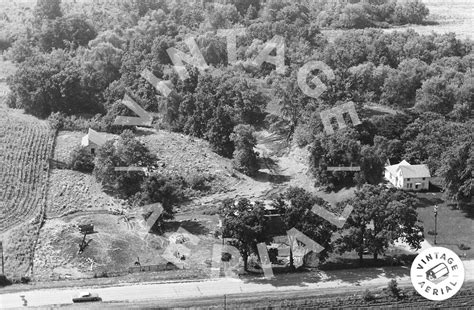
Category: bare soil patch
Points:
column 117, row 245
column 73, row 191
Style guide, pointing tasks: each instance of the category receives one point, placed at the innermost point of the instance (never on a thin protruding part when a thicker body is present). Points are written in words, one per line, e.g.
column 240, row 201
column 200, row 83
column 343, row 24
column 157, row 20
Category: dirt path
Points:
column 281, row 167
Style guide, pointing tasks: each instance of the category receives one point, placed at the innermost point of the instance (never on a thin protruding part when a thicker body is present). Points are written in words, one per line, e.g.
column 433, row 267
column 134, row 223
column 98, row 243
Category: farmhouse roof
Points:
column 415, row 171
column 409, row 171
column 94, row 137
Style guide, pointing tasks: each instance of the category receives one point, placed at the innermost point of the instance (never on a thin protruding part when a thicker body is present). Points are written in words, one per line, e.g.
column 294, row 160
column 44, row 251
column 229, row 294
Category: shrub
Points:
column 11, row 101
column 198, row 182
column 82, row 160
column 226, row 257
column 368, row 295
column 464, row 247
column 211, row 211
column 4, row 44
column 56, row 120
column 60, row 121
column 25, row 280
column 393, row 289
column 169, row 191
column 102, row 274
column 126, row 151
column 20, row 51
column 4, row 281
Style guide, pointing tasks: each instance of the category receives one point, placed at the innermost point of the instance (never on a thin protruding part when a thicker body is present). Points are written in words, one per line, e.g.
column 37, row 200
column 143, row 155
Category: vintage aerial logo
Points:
column 437, row 273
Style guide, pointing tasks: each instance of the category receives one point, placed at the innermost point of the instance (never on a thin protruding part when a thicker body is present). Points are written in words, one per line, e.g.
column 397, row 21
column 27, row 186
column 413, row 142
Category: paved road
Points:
column 333, row 282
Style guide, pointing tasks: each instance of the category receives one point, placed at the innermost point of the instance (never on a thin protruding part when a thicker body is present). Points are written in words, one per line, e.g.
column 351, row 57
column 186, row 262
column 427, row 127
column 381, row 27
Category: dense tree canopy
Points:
column 244, row 222
column 380, row 217
column 48, row 9
column 245, row 158
column 295, row 207
column 127, row 151
column 79, row 61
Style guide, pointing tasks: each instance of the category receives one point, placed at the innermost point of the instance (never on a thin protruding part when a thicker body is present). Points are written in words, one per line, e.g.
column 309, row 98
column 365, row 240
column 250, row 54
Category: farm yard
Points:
column 117, row 243
column 219, row 165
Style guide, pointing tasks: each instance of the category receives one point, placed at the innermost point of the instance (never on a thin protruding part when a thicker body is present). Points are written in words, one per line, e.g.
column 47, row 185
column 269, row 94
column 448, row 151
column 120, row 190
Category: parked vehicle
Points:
column 86, row 297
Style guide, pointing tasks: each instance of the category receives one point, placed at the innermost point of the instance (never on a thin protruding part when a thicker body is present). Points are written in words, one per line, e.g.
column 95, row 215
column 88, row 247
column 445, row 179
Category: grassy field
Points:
column 455, row 225
column 452, row 16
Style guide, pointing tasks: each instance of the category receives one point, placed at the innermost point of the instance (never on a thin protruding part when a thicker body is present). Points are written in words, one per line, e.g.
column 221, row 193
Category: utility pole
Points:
column 436, row 222
column 1, row 248
column 225, row 302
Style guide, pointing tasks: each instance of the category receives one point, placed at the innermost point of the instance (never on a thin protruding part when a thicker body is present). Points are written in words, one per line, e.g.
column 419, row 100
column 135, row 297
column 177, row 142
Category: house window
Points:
column 408, row 179
column 424, row 179
column 93, row 151
column 409, row 185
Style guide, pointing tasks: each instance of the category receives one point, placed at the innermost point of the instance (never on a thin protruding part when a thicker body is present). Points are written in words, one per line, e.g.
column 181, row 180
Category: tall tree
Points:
column 245, row 158
column 371, row 165
column 457, row 168
column 379, row 218
column 49, row 9
column 294, row 207
column 127, row 151
column 339, row 149
column 66, row 32
column 165, row 190
column 244, row 222
column 220, row 132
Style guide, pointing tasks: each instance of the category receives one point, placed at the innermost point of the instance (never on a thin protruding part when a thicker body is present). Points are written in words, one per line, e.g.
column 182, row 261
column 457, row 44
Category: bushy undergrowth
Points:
column 81, row 160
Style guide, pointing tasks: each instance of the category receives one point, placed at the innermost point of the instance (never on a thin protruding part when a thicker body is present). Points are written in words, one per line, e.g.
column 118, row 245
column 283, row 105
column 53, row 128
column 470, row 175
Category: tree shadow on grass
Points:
column 193, row 227
column 346, row 272
column 424, row 202
column 433, row 188
column 271, row 178
column 467, row 209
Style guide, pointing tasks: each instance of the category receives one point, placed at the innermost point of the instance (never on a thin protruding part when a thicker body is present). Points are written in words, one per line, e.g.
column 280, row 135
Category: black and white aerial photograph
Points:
column 237, row 154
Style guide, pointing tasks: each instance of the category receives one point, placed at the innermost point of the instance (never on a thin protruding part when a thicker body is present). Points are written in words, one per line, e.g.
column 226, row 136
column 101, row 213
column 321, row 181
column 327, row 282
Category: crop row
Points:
column 25, row 148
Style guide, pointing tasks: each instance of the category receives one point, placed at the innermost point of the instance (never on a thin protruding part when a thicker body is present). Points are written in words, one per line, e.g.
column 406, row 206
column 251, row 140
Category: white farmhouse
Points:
column 408, row 177
column 93, row 140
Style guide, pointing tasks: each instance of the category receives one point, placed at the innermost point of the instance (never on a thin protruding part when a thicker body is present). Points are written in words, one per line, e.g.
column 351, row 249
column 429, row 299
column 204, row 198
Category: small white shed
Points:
column 93, row 140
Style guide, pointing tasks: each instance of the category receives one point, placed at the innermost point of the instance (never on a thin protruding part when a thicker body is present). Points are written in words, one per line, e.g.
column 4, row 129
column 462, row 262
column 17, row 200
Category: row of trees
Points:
column 373, row 13
column 380, row 217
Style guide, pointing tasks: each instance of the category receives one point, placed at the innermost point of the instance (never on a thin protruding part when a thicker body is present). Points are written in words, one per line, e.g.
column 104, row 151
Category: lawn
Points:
column 455, row 224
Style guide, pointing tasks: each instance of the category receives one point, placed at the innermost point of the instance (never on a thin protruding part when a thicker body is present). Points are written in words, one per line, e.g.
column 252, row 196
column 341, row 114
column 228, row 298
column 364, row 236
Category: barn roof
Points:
column 94, row 137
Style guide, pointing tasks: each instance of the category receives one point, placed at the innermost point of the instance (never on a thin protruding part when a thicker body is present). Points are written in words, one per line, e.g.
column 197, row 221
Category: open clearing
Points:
column 446, row 16
column 452, row 16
